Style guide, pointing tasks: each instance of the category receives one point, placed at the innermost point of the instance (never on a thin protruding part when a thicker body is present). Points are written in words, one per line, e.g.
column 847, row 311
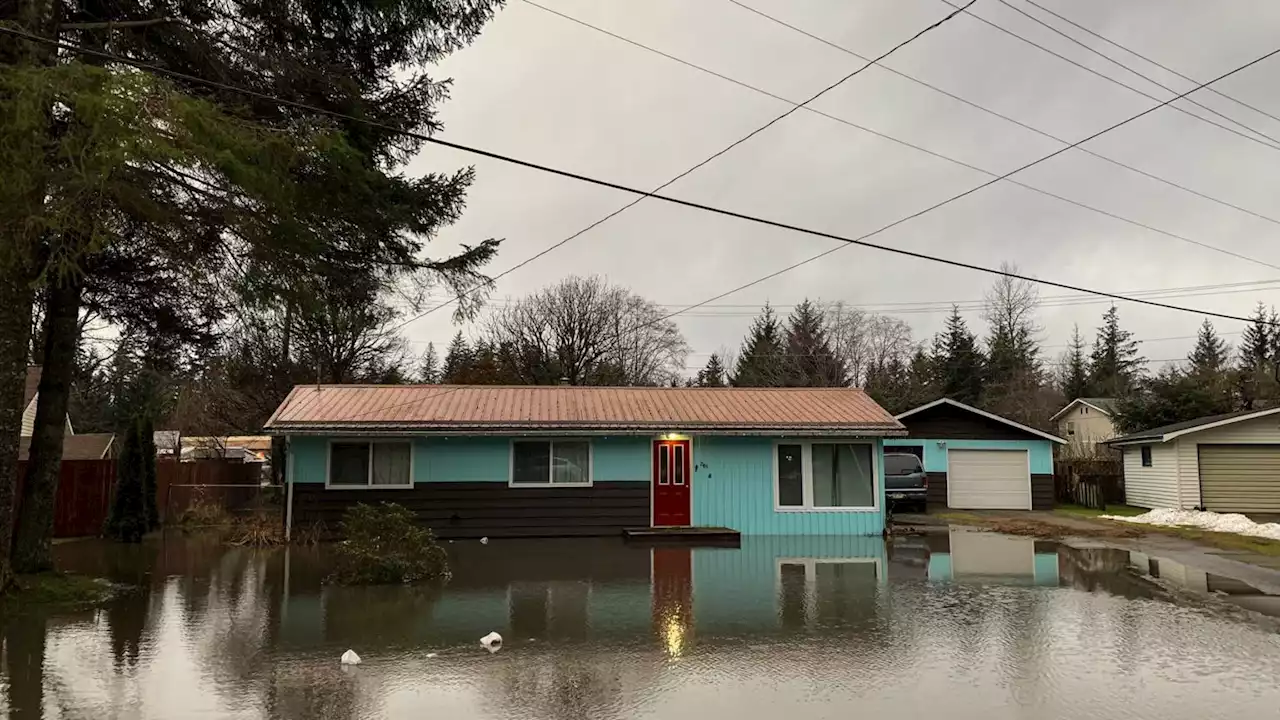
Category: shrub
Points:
column 384, row 545
column 261, row 528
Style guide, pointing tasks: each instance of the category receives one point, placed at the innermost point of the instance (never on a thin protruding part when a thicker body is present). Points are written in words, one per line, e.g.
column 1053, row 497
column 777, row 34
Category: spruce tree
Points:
column 761, row 362
column 429, row 372
column 811, row 362
column 1075, row 368
column 713, row 374
column 1114, row 365
column 1209, row 356
column 457, row 361
column 960, row 364
column 1256, row 342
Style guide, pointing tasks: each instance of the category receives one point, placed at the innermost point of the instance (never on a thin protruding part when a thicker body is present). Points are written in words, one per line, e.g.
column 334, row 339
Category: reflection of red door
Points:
column 673, row 598
column 670, row 483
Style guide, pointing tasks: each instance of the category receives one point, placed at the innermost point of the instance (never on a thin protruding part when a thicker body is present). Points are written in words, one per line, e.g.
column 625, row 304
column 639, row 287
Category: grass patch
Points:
column 57, row 589
column 959, row 516
column 1084, row 512
column 1225, row 541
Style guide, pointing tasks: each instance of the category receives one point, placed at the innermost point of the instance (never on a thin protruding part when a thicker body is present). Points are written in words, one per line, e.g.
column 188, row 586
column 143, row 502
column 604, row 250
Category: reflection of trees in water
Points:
column 126, row 618
column 383, row 614
column 24, row 650
column 563, row 685
column 312, row 692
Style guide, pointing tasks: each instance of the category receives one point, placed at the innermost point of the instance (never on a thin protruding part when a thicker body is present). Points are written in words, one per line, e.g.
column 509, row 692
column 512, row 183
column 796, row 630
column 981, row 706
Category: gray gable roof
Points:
column 1157, row 434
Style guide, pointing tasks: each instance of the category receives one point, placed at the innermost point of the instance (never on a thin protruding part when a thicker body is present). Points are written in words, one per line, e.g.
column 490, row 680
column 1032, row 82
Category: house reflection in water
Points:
column 971, row 556
column 574, row 591
column 1198, row 581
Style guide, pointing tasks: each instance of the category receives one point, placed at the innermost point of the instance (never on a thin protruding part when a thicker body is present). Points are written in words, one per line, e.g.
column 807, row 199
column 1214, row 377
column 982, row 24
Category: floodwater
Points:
column 962, row 625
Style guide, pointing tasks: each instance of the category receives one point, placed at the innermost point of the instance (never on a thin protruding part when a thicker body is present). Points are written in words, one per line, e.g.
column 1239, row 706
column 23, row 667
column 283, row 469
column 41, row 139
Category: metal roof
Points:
column 487, row 408
column 1169, row 432
column 86, row 446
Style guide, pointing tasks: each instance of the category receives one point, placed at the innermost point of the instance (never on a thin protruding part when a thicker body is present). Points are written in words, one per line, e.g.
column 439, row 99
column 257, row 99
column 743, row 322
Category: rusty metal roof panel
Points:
column 557, row 407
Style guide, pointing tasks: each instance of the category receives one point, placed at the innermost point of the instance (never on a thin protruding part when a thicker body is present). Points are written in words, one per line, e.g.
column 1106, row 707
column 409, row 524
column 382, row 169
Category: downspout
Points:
column 1177, row 470
column 288, row 503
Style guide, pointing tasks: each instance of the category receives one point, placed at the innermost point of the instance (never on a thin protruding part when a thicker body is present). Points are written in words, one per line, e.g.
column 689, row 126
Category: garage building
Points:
column 1223, row 463
column 977, row 460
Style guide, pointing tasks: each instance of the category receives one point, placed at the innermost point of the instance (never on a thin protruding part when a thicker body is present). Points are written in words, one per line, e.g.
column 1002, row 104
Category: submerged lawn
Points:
column 55, row 588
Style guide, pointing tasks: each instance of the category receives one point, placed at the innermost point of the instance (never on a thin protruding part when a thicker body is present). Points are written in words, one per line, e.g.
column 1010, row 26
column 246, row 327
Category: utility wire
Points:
column 970, row 103
column 694, row 168
column 1121, row 65
column 1121, row 83
column 860, row 241
column 1140, row 56
column 939, row 155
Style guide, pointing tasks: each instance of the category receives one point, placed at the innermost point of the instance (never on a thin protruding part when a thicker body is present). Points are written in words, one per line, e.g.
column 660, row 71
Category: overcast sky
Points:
column 545, row 89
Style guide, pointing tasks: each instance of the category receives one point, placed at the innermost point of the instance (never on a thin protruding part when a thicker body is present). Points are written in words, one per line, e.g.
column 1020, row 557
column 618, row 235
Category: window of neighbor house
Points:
column 365, row 464
column 542, row 463
column 1071, row 429
column 1146, row 455
column 1084, row 409
column 824, row 475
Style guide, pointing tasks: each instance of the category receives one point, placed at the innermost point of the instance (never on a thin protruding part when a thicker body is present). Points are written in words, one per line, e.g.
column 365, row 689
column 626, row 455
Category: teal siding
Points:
column 733, row 487
column 935, row 457
column 478, row 459
column 621, row 458
column 1046, row 568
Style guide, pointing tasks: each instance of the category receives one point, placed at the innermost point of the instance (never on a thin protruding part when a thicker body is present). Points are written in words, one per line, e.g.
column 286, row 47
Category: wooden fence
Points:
column 83, row 501
column 1092, row 483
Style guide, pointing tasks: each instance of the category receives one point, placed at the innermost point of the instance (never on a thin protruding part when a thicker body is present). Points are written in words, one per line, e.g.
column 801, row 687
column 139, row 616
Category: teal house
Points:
column 551, row 461
column 978, row 460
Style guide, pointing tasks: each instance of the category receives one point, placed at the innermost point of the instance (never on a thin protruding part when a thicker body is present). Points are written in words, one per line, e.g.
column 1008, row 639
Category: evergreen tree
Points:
column 959, row 361
column 811, row 362
column 457, row 361
column 1075, row 368
column 891, row 385
column 147, row 463
column 713, row 374
column 1114, row 364
column 429, row 372
column 1257, row 341
column 761, row 362
column 128, row 519
column 1211, row 353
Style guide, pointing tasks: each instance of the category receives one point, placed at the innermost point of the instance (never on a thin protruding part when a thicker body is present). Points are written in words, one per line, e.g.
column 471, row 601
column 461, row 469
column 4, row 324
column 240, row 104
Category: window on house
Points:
column 354, row 463
column 823, row 475
column 550, row 462
column 1071, row 429
column 1146, row 455
column 1084, row 409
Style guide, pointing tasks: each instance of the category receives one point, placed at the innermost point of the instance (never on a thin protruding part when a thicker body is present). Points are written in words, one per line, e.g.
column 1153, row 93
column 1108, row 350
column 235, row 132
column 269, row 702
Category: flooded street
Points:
column 970, row 625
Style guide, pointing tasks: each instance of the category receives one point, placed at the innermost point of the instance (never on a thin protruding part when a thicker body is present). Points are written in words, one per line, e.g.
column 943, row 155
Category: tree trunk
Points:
column 15, row 327
column 33, row 536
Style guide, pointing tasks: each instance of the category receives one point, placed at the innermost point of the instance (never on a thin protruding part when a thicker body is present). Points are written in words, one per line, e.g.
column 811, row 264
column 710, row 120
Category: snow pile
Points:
column 1216, row 522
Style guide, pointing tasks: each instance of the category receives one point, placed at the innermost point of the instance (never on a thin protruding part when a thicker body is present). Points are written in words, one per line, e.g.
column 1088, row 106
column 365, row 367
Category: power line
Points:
column 1121, row 65
column 1114, row 81
column 1140, row 56
column 860, row 241
column 1106, row 213
column 974, row 105
column 694, row 168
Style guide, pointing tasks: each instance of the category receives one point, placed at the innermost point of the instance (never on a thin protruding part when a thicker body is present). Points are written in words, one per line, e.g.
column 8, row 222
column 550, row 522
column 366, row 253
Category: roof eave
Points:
column 359, row 429
column 981, row 413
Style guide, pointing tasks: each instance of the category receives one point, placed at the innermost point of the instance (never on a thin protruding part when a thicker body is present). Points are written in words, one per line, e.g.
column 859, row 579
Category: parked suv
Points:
column 906, row 483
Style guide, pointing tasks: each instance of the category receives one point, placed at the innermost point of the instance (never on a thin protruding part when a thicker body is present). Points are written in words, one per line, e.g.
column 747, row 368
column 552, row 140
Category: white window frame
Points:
column 806, row 468
column 328, row 463
column 511, row 463
column 811, row 578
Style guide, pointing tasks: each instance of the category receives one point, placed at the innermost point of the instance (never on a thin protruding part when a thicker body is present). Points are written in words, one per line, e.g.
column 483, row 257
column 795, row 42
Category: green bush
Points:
column 384, row 545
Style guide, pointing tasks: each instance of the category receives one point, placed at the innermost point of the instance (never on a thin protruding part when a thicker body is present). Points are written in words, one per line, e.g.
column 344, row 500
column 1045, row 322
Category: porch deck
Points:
column 684, row 535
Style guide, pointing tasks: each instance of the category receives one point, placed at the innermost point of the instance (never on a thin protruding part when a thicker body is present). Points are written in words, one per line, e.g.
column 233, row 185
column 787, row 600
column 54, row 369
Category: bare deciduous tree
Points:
column 868, row 343
column 587, row 332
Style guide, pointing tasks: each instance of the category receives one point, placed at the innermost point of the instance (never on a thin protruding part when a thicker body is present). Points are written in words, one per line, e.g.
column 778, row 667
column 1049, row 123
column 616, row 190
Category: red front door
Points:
column 671, row 483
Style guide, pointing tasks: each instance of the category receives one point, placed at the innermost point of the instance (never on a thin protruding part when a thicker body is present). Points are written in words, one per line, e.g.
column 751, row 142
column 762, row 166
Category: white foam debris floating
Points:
column 484, row 541
column 492, row 642
column 1203, row 520
column 350, row 658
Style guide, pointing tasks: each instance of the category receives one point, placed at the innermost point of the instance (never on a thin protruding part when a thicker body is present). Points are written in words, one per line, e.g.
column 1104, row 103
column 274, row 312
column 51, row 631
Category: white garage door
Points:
column 988, row 480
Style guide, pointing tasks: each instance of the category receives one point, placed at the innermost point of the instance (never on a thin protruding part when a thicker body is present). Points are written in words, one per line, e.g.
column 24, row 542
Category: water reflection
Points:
column 976, row 624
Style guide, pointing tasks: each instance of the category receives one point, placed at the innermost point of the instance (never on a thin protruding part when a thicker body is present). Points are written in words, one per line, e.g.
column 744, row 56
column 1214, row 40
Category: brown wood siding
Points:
column 1042, row 489
column 937, row 493
column 479, row 509
column 947, row 422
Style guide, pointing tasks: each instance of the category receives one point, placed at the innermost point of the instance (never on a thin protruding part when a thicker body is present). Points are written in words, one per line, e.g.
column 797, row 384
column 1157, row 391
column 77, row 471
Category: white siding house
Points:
column 1164, row 467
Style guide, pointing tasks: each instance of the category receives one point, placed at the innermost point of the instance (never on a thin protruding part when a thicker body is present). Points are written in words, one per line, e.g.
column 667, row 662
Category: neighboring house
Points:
column 558, row 460
column 977, row 460
column 1086, row 422
column 30, row 392
column 244, row 448
column 1224, row 463
column 86, row 446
